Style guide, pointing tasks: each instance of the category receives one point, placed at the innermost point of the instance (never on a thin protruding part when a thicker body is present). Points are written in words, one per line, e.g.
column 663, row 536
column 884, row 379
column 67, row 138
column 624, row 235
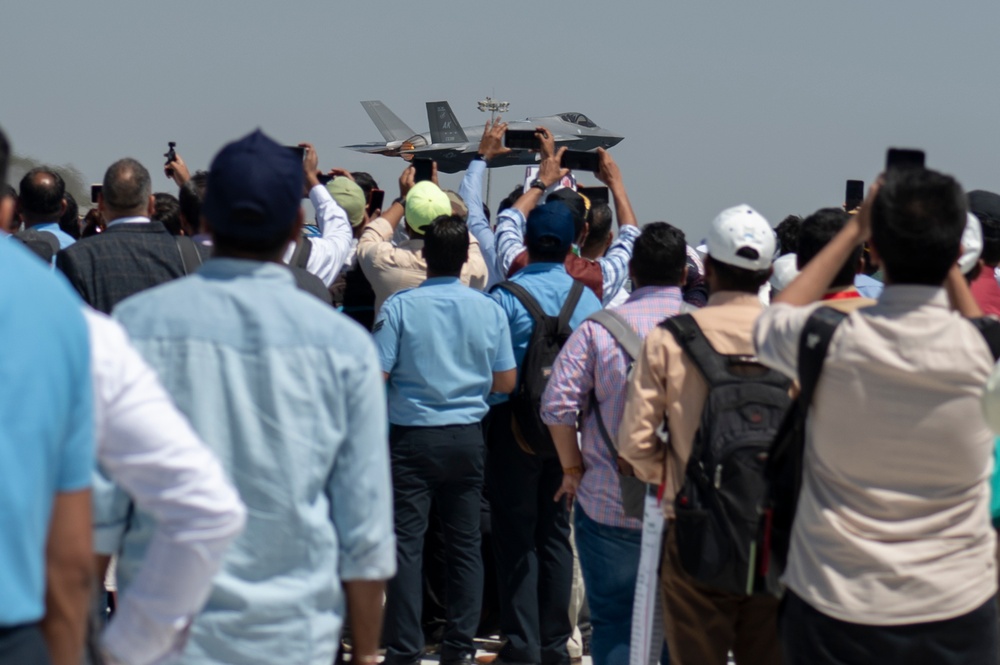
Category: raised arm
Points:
column 471, row 191
column 331, row 249
column 614, row 264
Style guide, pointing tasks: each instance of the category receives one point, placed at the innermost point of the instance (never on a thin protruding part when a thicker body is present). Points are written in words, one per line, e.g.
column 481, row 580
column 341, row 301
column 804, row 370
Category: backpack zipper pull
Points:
column 718, row 476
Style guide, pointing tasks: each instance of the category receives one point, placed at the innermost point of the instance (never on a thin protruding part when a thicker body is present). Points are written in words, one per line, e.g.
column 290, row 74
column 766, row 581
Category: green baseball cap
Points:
column 350, row 197
column 425, row 202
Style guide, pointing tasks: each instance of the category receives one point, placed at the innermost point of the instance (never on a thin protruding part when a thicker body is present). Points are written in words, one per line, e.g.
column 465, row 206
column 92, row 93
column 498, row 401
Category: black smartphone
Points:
column 299, row 150
column 95, row 192
column 522, row 139
column 324, row 178
column 854, row 194
column 375, row 200
column 578, row 160
column 902, row 158
column 171, row 155
column 424, row 168
column 595, row 194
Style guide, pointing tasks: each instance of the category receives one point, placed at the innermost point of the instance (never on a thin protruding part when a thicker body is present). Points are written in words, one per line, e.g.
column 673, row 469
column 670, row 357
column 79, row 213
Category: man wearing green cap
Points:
column 351, row 290
column 391, row 268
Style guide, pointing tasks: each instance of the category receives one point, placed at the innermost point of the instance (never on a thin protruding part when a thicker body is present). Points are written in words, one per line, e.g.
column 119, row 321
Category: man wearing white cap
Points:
column 702, row 624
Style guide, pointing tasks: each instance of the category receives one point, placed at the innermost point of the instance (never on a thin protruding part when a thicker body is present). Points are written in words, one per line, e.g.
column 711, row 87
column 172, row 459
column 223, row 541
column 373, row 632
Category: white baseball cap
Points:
column 972, row 244
column 741, row 237
column 785, row 271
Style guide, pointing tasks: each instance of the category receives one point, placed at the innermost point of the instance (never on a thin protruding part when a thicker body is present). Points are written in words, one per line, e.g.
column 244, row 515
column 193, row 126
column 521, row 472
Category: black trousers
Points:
column 531, row 542
column 446, row 464
column 23, row 645
column 809, row 637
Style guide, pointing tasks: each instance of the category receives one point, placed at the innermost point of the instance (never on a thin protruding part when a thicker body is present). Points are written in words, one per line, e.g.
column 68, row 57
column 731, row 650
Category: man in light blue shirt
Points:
column 42, row 202
column 288, row 394
column 443, row 348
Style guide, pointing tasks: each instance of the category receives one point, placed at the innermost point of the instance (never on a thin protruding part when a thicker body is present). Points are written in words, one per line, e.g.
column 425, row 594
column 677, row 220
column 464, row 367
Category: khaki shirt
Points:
column 666, row 381
column 893, row 520
column 392, row 268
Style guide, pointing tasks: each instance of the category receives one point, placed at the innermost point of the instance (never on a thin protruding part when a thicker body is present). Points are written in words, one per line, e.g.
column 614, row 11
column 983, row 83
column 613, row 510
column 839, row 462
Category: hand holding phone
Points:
column 375, row 200
column 423, row 169
column 854, row 194
column 904, row 158
column 95, row 192
column 522, row 139
column 578, row 160
column 171, row 156
column 595, row 194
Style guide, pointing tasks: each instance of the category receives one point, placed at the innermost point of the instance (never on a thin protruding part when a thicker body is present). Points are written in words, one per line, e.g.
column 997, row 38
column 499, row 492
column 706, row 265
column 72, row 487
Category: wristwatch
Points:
column 481, row 156
column 537, row 182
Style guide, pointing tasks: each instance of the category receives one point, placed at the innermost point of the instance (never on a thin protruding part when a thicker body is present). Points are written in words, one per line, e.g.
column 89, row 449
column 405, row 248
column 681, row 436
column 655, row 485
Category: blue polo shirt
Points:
column 46, row 421
column 440, row 344
column 65, row 239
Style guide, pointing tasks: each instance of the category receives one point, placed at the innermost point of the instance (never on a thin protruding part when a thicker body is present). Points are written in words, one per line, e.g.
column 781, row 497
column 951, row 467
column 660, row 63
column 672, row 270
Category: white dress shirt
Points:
column 333, row 247
column 148, row 448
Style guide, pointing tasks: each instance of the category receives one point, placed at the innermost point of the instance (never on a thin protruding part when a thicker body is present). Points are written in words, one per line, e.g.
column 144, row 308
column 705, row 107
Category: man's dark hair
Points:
column 817, row 230
column 510, row 199
column 731, row 278
column 167, row 211
column 4, row 157
column 41, row 195
column 365, row 181
column 547, row 250
column 918, row 218
column 70, row 221
column 190, row 197
column 127, row 185
column 599, row 218
column 265, row 247
column 446, row 245
column 659, row 255
column 788, row 234
column 7, row 191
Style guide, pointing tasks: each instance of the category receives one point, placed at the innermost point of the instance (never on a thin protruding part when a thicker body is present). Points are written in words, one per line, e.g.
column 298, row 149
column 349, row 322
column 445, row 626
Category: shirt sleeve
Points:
column 359, row 487
column 471, row 191
column 614, row 264
column 776, row 336
column 509, row 237
column 149, row 450
column 329, row 251
column 386, row 334
column 638, row 437
column 77, row 459
column 572, row 378
column 991, row 400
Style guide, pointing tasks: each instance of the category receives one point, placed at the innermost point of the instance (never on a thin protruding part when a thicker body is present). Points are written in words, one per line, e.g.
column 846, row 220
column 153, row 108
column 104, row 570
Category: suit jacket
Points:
column 124, row 260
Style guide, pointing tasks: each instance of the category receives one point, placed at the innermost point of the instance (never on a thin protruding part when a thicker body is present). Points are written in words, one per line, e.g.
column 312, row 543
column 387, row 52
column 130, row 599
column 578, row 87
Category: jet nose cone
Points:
column 612, row 140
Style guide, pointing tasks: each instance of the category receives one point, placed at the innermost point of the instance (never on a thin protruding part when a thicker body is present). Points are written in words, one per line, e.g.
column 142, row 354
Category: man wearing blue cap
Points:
column 530, row 529
column 288, row 394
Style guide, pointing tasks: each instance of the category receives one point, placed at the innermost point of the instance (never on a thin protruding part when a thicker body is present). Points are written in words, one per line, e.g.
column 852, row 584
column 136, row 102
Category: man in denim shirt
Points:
column 288, row 394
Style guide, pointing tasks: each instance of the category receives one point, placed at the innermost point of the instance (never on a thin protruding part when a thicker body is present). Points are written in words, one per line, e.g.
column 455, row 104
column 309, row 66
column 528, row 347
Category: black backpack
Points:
column 547, row 339
column 716, row 510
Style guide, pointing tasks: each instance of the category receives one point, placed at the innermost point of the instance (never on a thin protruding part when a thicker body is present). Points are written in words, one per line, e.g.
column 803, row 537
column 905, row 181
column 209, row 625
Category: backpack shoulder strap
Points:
column 620, row 330
column 813, row 345
column 692, row 340
column 526, row 299
column 190, row 257
column 566, row 313
column 300, row 257
column 989, row 328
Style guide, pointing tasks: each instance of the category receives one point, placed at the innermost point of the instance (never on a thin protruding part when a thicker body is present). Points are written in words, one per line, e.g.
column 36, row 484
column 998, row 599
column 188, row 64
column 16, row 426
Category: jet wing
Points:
column 374, row 148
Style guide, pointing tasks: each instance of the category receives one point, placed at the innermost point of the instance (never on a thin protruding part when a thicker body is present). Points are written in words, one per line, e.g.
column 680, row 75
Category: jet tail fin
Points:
column 443, row 124
column 389, row 125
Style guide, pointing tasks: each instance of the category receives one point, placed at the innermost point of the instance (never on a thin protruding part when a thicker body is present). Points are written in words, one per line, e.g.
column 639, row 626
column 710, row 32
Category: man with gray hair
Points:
column 134, row 253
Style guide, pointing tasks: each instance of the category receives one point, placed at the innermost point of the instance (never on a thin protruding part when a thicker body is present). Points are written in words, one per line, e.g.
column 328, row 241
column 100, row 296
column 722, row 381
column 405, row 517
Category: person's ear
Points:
column 151, row 206
column 684, row 274
column 62, row 208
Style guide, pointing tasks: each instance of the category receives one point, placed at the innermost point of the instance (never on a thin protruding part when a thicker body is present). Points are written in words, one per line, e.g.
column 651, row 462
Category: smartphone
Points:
column 522, row 139
column 171, row 155
column 901, row 158
column 424, row 168
column 854, row 194
column 578, row 160
column 324, row 178
column 595, row 194
column 375, row 200
column 95, row 192
column 299, row 150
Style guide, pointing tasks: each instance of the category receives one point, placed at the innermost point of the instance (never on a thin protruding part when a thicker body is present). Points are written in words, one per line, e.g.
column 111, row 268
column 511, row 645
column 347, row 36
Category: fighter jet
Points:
column 449, row 144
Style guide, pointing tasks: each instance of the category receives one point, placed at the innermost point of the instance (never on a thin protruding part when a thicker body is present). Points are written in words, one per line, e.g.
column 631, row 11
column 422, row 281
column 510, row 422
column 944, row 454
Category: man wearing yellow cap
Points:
column 391, row 268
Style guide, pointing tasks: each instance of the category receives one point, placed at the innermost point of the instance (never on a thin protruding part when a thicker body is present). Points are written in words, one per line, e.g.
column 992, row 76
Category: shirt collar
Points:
column 654, row 292
column 911, row 296
column 543, row 267
column 128, row 220
column 226, row 268
column 734, row 298
column 440, row 281
column 46, row 226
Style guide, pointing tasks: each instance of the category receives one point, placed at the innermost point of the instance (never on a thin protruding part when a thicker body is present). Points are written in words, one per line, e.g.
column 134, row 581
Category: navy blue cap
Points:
column 550, row 228
column 255, row 174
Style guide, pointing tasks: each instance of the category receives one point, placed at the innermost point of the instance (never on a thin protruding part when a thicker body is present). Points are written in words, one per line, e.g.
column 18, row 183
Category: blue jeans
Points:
column 609, row 560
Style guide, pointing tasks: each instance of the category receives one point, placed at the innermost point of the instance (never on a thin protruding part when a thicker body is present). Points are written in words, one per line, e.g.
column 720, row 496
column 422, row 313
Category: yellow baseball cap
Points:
column 425, row 202
column 349, row 195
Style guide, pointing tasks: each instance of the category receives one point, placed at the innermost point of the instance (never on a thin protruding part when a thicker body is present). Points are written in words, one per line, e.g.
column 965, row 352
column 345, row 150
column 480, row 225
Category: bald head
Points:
column 40, row 196
column 127, row 190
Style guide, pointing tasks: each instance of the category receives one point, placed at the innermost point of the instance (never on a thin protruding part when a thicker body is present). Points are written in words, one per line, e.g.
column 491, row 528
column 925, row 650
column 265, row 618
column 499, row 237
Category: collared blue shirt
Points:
column 288, row 394
column 549, row 283
column 65, row 239
column 46, row 422
column 867, row 286
column 440, row 344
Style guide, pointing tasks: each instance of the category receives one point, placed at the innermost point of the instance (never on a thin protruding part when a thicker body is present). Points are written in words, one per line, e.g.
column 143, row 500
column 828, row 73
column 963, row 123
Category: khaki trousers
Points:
column 703, row 625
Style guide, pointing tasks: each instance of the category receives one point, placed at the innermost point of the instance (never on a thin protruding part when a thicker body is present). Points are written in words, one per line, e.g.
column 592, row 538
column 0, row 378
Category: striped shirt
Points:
column 593, row 361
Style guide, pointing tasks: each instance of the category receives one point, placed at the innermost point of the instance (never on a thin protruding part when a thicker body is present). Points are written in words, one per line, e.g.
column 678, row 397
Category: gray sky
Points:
column 721, row 102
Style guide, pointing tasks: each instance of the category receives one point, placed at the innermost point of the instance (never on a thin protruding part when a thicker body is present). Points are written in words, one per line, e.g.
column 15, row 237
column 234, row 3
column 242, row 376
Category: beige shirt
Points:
column 666, row 381
column 391, row 268
column 893, row 522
